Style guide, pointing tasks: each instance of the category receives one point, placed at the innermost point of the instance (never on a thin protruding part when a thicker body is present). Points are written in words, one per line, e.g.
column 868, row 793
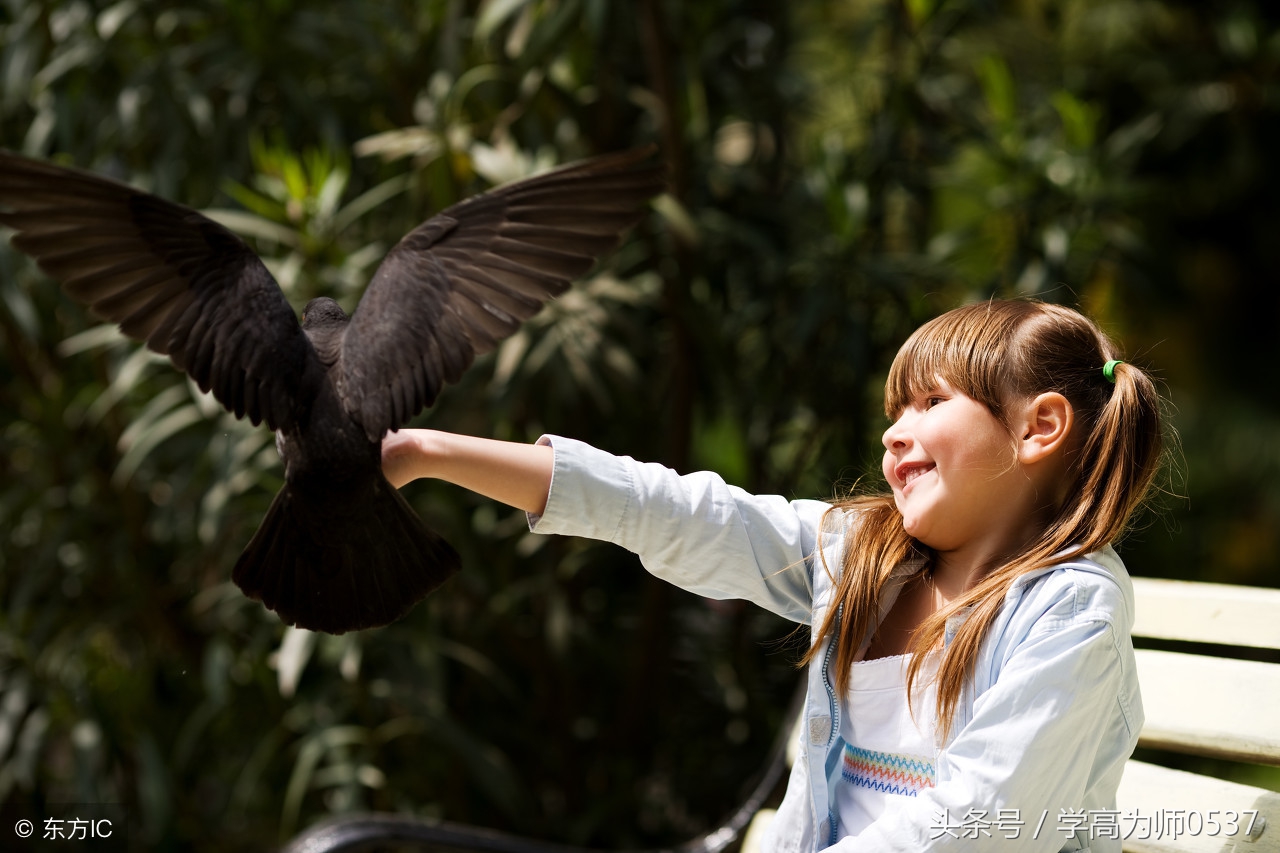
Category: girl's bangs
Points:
column 963, row 348
column 916, row 370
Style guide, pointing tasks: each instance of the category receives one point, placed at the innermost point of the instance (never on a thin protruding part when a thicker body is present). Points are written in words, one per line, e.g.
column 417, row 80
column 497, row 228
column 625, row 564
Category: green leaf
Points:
column 74, row 57
column 291, row 658
column 494, row 14
column 390, row 145
column 128, row 375
column 112, row 18
column 150, row 430
column 313, row 750
column 920, row 10
column 998, row 88
column 257, row 227
column 549, row 32
column 369, row 200
column 1079, row 118
column 105, row 335
column 269, row 208
column 294, row 176
column 333, row 185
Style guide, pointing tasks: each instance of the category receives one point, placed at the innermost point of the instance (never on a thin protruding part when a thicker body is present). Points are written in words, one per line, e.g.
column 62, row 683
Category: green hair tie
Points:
column 1109, row 370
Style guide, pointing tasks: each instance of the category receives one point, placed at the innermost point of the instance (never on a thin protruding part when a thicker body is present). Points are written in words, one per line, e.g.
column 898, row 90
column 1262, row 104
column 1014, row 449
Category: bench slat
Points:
column 1207, row 613
column 1211, row 706
column 1179, row 804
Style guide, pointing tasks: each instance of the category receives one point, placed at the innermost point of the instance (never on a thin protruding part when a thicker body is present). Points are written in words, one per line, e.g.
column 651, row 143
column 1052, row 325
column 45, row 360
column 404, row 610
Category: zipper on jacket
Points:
column 833, row 704
column 832, row 700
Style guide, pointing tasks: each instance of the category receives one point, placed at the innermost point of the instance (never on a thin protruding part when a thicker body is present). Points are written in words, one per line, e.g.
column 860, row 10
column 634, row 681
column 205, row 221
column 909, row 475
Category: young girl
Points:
column 971, row 677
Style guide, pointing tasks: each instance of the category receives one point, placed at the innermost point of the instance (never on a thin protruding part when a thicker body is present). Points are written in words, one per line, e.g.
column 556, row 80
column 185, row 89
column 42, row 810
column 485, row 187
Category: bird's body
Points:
column 339, row 548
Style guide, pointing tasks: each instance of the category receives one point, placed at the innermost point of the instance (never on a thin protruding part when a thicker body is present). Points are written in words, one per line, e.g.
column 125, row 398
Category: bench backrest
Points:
column 1214, row 695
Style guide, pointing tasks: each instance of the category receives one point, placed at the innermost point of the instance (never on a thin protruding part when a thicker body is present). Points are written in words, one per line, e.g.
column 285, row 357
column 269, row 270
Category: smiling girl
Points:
column 970, row 649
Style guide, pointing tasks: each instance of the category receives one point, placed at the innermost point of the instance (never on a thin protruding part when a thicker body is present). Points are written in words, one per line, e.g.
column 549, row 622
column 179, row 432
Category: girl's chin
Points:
column 912, row 526
column 918, row 531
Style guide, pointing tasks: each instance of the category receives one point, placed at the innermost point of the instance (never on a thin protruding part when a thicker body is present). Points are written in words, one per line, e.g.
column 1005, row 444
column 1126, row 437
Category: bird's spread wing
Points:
column 169, row 276
column 466, row 278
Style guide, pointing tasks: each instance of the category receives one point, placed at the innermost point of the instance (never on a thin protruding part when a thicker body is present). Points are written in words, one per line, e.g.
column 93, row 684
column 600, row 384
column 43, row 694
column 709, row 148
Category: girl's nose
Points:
column 896, row 436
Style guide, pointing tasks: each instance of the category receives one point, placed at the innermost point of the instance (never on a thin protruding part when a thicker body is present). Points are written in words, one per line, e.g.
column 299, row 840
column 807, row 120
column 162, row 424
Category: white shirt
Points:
column 887, row 755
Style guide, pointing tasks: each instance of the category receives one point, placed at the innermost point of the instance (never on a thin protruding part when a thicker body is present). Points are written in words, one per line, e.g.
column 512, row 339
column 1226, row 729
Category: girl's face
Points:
column 954, row 470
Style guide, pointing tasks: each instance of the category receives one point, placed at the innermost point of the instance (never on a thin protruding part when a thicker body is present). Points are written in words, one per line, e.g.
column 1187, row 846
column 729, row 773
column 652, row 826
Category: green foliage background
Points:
column 840, row 172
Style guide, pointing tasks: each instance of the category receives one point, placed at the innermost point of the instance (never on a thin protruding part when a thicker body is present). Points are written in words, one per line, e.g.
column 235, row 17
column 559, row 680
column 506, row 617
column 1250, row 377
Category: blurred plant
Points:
column 296, row 204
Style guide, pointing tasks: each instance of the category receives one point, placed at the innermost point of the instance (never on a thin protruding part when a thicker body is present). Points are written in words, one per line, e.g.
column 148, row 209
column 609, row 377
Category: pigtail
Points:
column 1120, row 459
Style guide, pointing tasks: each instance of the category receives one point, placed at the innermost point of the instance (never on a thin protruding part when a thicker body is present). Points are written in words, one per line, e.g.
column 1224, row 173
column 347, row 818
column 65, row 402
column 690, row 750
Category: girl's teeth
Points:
column 912, row 474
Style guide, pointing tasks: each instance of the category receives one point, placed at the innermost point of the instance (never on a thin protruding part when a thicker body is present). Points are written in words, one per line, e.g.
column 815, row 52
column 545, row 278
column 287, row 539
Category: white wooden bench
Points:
column 1202, row 699
column 1206, row 700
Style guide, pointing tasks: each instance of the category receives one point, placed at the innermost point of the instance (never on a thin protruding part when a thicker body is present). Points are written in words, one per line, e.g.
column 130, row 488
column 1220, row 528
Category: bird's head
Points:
column 323, row 311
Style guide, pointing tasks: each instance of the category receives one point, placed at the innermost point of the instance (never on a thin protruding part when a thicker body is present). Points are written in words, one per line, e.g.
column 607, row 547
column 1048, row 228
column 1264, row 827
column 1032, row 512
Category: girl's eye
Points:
column 930, row 402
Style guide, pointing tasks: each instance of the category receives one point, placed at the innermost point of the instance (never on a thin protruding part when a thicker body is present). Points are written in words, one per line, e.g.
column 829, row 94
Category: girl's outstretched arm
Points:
column 513, row 473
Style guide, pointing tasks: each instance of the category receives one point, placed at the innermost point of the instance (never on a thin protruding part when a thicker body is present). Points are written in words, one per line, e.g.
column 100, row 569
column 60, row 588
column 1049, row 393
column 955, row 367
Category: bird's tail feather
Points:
column 342, row 566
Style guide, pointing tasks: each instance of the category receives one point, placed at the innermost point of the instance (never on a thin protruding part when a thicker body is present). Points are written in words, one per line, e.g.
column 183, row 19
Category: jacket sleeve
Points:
column 694, row 531
column 1021, row 765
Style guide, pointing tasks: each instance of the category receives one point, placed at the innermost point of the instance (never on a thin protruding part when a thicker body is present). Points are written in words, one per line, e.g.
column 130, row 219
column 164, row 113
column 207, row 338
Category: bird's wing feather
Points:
column 466, row 278
column 169, row 276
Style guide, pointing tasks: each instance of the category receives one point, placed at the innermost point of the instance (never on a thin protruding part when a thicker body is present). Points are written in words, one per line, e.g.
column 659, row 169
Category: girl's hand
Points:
column 404, row 456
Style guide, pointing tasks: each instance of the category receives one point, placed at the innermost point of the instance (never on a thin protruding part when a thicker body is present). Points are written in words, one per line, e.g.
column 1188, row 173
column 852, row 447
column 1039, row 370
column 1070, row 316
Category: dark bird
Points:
column 339, row 549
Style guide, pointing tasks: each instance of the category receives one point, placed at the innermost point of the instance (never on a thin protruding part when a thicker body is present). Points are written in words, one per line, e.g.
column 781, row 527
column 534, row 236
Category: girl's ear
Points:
column 1047, row 421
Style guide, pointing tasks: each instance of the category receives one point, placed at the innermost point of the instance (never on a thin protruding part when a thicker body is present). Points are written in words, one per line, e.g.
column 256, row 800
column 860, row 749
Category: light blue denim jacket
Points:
column 1041, row 734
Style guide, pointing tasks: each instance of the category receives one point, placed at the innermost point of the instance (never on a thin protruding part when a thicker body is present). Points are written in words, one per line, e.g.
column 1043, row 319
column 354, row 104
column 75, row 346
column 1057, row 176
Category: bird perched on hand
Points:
column 339, row 549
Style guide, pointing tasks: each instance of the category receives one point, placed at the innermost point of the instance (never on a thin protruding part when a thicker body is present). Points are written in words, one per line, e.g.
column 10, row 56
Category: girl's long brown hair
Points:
column 1000, row 353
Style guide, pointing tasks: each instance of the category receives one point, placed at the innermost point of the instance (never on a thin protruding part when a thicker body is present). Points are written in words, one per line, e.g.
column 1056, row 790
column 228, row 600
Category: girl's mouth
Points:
column 908, row 472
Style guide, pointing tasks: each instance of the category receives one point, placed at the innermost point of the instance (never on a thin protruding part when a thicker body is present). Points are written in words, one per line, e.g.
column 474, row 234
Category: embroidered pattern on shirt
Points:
column 889, row 772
